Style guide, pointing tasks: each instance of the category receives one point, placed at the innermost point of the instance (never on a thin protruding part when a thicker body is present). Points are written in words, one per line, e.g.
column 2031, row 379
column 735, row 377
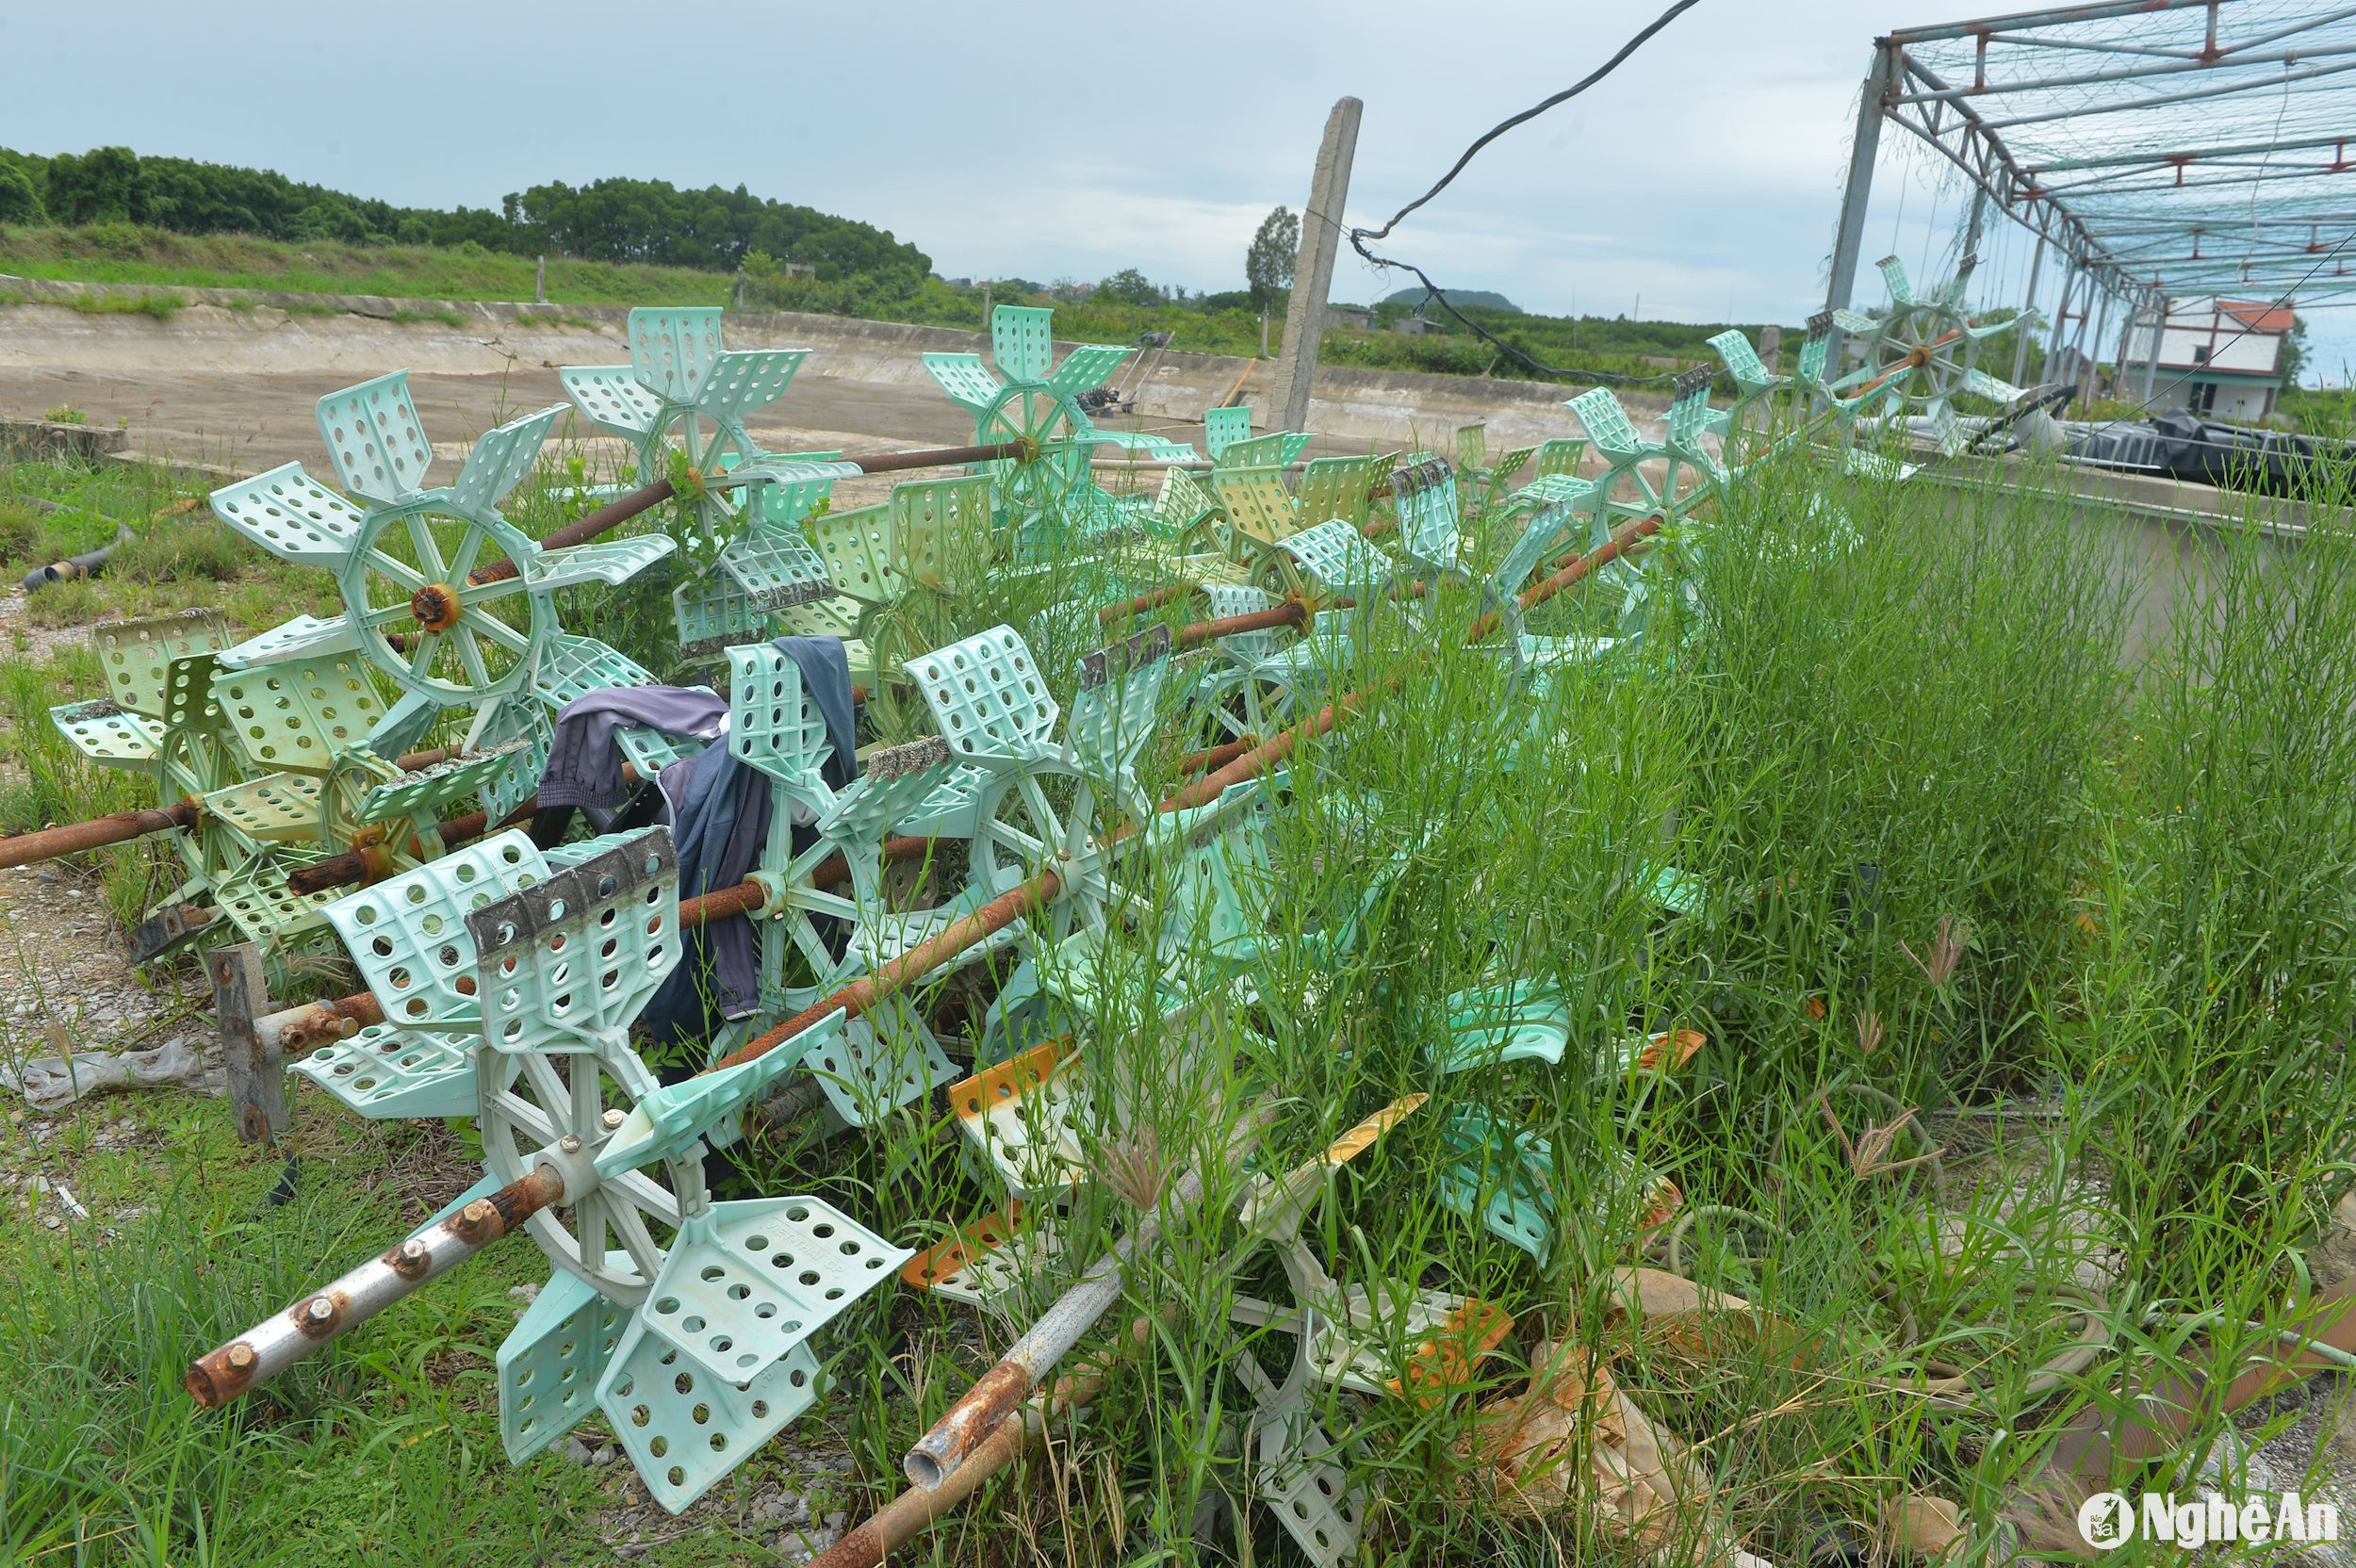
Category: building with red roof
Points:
column 2218, row 357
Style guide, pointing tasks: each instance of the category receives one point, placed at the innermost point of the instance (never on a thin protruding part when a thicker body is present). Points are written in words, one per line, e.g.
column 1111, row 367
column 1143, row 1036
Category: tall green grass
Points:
column 2219, row 987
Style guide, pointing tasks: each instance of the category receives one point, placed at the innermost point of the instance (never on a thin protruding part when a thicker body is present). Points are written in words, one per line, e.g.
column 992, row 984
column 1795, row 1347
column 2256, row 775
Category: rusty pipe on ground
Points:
column 1292, row 613
column 623, row 508
column 73, row 838
column 374, row 862
column 278, row 1342
column 2158, row 1415
column 962, row 1431
column 298, row 1030
column 92, row 563
column 88, row 563
column 1218, row 756
column 1143, row 602
column 896, row 1524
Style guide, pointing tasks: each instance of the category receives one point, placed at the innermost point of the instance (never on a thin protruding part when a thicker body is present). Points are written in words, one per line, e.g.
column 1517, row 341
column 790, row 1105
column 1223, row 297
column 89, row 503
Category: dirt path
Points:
column 251, row 421
column 236, row 388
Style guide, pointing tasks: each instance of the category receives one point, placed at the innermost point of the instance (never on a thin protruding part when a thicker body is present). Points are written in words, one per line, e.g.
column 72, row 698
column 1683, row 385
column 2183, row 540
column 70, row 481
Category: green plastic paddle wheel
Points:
column 510, row 984
column 407, row 558
column 1665, row 482
column 1917, row 358
column 815, row 936
column 688, row 1322
column 181, row 713
column 682, row 402
column 157, row 720
column 682, row 392
column 1024, row 395
column 1038, row 803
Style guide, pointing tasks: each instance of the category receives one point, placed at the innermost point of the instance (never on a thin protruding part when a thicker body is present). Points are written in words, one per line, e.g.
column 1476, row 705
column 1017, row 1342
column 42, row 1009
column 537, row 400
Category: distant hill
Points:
column 1464, row 298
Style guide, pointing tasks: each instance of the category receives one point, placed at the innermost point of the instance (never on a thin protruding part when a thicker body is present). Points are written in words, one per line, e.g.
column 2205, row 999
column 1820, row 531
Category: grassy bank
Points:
column 126, row 254
column 123, row 253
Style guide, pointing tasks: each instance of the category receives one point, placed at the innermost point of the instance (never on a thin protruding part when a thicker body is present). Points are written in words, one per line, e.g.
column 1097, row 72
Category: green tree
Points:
column 1129, row 286
column 19, row 201
column 1268, row 267
column 95, row 187
column 333, row 218
column 2293, row 360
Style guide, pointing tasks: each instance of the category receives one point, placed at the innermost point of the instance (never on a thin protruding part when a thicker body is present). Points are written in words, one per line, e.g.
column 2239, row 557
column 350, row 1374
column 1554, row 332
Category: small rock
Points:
column 577, row 1451
column 604, row 1454
column 835, row 1522
column 801, row 1545
column 526, row 1294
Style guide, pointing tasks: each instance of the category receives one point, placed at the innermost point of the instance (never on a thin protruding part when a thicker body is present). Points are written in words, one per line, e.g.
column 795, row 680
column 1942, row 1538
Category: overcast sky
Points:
column 1700, row 183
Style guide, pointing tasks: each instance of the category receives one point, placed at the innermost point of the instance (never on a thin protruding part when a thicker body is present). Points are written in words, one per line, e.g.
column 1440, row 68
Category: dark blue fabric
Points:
column 720, row 822
column 826, row 668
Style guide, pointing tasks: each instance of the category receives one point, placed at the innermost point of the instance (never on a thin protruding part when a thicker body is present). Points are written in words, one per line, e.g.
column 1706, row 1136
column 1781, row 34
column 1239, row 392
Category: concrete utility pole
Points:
column 540, row 283
column 1313, row 271
column 1849, row 238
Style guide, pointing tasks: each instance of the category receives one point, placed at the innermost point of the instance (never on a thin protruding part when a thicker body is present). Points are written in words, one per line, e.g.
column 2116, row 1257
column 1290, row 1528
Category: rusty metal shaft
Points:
column 73, row 838
column 1218, row 756
column 615, row 513
column 1292, row 613
column 890, row 979
column 371, row 863
column 958, row 1437
column 278, row 1342
column 894, row 1524
column 1154, row 599
column 295, row 1031
column 1572, row 569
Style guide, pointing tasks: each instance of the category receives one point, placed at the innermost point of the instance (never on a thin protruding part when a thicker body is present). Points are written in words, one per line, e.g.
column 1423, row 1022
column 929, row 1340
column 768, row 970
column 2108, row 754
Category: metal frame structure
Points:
column 2077, row 122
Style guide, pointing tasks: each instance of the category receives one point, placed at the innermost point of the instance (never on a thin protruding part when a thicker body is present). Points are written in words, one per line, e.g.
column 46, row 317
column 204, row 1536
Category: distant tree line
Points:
column 612, row 219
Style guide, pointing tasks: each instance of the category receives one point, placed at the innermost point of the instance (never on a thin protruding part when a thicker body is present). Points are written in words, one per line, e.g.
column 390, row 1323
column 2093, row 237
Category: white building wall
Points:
column 2201, row 325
